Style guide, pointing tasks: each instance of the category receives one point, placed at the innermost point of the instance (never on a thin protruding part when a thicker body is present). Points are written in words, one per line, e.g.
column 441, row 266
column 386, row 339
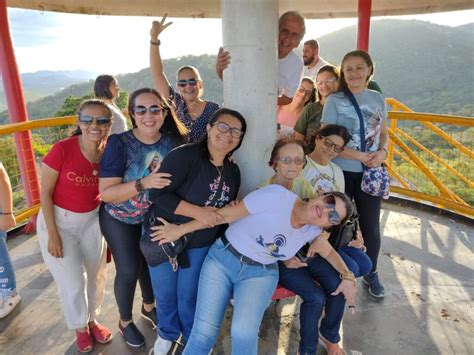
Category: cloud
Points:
column 31, row 28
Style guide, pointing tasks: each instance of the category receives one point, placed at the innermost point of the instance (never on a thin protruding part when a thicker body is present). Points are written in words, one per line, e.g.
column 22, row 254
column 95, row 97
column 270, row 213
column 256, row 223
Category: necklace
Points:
column 220, row 170
column 84, row 154
column 333, row 177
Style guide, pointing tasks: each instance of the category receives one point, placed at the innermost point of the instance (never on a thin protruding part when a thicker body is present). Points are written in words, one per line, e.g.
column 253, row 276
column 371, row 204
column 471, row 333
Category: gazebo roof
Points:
column 315, row 9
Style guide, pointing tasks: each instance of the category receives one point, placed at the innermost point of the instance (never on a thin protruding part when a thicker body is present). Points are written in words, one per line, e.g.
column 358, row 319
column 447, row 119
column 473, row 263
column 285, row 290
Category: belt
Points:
column 243, row 259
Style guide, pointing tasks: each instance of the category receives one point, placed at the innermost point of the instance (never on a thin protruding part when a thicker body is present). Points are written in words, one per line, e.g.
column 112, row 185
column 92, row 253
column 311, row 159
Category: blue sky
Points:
column 112, row 44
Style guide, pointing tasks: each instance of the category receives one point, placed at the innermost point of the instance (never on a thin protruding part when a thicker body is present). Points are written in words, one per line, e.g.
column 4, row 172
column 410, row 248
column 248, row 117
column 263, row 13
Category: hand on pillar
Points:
column 158, row 27
column 222, row 62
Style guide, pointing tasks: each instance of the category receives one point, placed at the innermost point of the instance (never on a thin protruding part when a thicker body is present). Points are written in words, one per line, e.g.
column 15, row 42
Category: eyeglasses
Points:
column 330, row 203
column 288, row 160
column 224, row 128
column 140, row 110
column 331, row 145
column 183, row 82
column 326, row 82
column 100, row 121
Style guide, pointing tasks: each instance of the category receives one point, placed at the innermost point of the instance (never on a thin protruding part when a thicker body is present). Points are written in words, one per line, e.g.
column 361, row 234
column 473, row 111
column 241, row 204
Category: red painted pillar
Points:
column 17, row 110
column 363, row 27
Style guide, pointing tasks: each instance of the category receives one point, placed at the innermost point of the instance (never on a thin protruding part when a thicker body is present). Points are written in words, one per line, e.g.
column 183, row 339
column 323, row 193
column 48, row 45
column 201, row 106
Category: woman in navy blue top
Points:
column 128, row 170
column 190, row 107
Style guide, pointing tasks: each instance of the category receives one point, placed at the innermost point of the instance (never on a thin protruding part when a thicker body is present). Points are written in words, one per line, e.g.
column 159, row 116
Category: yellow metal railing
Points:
column 430, row 157
column 44, row 133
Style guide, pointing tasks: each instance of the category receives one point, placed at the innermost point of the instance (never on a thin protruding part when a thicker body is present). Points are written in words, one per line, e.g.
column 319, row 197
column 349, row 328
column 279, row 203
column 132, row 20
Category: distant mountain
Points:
column 43, row 83
column 428, row 67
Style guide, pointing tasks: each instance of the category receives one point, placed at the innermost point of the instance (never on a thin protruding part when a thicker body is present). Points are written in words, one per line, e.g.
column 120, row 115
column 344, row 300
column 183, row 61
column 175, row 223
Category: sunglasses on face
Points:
column 183, row 82
column 330, row 203
column 331, row 145
column 140, row 110
column 288, row 160
column 100, row 121
column 224, row 128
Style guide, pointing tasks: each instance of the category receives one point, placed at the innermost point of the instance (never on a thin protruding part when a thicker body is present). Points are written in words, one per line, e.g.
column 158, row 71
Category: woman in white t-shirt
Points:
column 270, row 224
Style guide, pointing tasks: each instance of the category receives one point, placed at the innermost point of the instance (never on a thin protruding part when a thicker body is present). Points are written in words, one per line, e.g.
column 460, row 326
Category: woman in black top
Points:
column 203, row 179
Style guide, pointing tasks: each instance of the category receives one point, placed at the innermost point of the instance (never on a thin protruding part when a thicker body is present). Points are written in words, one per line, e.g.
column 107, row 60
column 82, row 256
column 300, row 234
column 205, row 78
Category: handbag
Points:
column 375, row 181
column 342, row 234
column 155, row 253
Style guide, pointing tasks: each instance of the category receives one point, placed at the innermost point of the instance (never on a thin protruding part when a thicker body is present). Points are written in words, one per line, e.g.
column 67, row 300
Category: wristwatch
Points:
column 139, row 186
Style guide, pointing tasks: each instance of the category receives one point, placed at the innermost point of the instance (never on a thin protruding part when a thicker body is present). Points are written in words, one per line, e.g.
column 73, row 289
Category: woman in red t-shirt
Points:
column 68, row 223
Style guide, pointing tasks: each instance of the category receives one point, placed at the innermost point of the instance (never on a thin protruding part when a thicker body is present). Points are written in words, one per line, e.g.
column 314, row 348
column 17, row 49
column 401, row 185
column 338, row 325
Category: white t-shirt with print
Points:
column 323, row 178
column 266, row 234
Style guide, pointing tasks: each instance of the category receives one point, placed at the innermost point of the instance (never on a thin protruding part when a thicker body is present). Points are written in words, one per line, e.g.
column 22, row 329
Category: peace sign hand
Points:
column 158, row 27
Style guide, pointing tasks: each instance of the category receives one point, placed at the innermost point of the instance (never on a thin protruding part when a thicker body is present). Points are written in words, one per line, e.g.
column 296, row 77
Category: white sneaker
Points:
column 162, row 346
column 8, row 303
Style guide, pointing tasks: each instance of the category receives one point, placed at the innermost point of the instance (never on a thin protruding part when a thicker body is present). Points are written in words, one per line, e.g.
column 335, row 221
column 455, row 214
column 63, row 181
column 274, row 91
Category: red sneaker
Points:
column 101, row 334
column 84, row 341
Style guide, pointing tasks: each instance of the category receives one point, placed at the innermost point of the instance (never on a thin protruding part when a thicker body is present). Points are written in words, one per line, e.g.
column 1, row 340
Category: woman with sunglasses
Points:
column 124, row 184
column 356, row 70
column 309, row 122
column 270, row 224
column 68, row 223
column 203, row 179
column 106, row 88
column 191, row 108
column 289, row 114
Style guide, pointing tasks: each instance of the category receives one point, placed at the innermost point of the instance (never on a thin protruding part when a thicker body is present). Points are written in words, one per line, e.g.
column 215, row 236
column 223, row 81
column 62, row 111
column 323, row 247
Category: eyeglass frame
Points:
column 155, row 110
column 99, row 121
column 289, row 161
column 327, row 81
column 333, row 216
column 228, row 129
column 183, row 82
column 332, row 146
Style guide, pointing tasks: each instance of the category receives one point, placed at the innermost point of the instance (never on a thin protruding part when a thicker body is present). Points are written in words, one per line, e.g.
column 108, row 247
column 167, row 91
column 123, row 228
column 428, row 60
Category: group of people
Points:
column 172, row 176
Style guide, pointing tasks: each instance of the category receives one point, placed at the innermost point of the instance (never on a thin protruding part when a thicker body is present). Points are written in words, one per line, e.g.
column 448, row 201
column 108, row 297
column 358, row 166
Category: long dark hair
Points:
column 365, row 57
column 101, row 86
column 312, row 97
column 171, row 124
column 90, row 102
column 213, row 119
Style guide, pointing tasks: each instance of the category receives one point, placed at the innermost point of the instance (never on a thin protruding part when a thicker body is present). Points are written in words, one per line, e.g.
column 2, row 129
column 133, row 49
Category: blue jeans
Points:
column 301, row 282
column 7, row 275
column 175, row 294
column 222, row 275
column 356, row 260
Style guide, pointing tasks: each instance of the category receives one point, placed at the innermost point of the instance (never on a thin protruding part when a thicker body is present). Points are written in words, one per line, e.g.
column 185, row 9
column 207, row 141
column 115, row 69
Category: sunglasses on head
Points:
column 330, row 203
column 140, row 110
column 183, row 82
column 331, row 145
column 100, row 121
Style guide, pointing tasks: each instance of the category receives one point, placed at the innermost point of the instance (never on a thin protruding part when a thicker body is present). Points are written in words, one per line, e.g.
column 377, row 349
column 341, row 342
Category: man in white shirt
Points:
column 291, row 30
column 311, row 59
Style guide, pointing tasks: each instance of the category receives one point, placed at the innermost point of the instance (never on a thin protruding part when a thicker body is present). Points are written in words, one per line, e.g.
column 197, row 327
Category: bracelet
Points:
column 347, row 275
column 385, row 150
column 6, row 213
column 155, row 43
column 139, row 186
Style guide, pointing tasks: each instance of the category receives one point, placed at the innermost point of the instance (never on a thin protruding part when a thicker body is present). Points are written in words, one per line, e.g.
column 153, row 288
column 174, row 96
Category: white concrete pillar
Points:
column 250, row 30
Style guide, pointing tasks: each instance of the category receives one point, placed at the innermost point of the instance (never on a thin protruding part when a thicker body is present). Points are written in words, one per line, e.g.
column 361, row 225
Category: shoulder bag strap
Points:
column 353, row 100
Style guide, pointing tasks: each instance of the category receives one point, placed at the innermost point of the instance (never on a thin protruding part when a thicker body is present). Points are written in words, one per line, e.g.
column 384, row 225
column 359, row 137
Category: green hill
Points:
column 429, row 67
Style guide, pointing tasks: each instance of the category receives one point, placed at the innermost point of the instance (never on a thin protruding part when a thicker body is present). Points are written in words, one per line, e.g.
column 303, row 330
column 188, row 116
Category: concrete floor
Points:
column 426, row 264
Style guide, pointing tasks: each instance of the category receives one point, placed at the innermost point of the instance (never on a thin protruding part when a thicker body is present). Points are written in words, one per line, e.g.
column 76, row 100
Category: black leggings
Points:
column 123, row 240
column 368, row 208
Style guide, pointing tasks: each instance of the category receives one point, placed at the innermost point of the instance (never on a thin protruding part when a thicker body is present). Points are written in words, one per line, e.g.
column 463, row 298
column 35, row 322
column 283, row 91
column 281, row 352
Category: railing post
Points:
column 363, row 26
column 17, row 110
